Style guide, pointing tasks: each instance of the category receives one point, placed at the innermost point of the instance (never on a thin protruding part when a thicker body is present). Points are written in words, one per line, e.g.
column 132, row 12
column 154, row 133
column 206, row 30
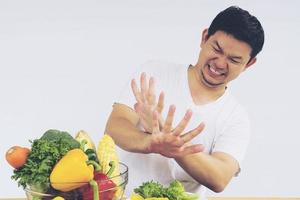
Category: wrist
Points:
column 146, row 143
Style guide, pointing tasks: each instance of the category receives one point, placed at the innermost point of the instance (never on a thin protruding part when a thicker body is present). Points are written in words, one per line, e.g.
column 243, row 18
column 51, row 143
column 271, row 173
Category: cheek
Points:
column 205, row 56
column 234, row 73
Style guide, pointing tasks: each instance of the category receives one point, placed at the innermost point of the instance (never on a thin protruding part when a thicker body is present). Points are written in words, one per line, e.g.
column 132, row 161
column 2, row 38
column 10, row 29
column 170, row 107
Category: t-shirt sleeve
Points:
column 235, row 136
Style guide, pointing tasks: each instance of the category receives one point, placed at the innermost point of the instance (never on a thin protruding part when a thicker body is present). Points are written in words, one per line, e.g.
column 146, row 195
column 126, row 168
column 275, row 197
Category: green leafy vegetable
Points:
column 150, row 189
column 45, row 153
column 175, row 191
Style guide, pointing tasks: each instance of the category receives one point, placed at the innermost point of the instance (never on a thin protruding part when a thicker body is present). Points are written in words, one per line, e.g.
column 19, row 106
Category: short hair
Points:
column 241, row 25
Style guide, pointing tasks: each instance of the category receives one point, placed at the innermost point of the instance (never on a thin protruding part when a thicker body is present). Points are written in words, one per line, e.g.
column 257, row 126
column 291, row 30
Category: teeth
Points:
column 214, row 71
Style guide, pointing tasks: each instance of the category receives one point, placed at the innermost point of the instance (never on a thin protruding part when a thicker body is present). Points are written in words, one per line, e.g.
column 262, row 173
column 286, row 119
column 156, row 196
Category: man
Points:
column 206, row 146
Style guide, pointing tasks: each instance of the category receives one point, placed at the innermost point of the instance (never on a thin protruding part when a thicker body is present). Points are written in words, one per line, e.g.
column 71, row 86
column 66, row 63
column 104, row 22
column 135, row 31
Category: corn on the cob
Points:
column 82, row 135
column 106, row 153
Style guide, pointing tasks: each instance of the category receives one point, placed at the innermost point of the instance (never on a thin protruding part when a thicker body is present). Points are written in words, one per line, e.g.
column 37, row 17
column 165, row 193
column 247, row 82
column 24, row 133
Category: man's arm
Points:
column 214, row 170
column 122, row 127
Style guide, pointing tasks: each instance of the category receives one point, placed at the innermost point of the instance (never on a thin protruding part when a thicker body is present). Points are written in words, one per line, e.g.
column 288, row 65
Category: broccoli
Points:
column 62, row 136
column 175, row 191
column 150, row 189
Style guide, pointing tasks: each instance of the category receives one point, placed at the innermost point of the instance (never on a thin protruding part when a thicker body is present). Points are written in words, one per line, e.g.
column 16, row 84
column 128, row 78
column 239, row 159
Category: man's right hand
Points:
column 146, row 102
column 173, row 143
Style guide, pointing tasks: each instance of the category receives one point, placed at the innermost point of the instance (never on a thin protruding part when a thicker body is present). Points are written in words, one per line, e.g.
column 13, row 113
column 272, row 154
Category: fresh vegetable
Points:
column 92, row 155
column 139, row 197
column 62, row 136
column 17, row 156
column 60, row 165
column 45, row 153
column 150, row 189
column 107, row 152
column 82, row 135
column 175, row 191
column 58, row 198
column 136, row 197
column 71, row 169
column 107, row 188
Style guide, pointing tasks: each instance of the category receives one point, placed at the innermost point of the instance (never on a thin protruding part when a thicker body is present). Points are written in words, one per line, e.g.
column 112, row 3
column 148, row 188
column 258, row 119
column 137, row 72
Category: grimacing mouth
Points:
column 213, row 69
column 206, row 82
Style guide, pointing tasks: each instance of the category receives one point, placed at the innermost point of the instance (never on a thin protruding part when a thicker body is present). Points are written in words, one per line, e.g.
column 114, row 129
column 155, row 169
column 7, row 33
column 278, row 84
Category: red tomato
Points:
column 17, row 156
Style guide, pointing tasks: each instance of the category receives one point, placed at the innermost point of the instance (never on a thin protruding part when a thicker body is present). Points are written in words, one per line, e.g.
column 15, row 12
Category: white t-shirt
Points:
column 226, row 127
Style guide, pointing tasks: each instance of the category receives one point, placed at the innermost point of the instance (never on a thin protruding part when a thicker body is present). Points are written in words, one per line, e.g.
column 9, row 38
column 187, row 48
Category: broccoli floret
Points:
column 176, row 191
column 150, row 189
column 62, row 136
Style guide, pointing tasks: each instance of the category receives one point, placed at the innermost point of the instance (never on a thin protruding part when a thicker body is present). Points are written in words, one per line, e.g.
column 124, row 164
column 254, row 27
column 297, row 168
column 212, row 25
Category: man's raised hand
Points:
column 173, row 143
column 147, row 102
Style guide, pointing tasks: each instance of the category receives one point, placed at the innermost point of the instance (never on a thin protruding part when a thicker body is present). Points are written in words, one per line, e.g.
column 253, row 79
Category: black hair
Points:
column 241, row 25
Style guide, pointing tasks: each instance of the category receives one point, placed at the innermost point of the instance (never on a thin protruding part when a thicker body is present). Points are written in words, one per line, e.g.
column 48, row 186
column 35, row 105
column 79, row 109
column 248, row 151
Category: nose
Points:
column 221, row 62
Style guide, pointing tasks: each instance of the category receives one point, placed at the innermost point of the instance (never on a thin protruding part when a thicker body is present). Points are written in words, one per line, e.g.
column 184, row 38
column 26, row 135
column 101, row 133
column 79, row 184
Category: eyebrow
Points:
column 231, row 56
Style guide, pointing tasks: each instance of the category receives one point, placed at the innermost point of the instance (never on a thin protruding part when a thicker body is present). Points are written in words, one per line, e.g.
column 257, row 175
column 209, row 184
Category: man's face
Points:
column 222, row 59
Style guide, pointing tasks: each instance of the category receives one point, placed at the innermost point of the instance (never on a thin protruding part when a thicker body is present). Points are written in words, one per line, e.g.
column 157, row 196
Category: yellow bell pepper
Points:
column 136, row 197
column 58, row 198
column 71, row 171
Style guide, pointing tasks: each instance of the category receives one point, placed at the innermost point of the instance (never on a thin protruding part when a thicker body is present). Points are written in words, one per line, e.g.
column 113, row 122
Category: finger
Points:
column 193, row 133
column 161, row 122
column 144, row 86
column 195, row 148
column 155, row 124
column 136, row 91
column 183, row 123
column 151, row 92
column 136, row 107
column 169, row 120
column 160, row 104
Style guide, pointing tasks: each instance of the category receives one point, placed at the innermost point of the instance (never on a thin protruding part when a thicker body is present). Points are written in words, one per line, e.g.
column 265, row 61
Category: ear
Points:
column 204, row 37
column 251, row 62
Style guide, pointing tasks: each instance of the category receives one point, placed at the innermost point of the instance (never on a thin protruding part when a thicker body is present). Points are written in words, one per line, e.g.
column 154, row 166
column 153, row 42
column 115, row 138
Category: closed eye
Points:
column 217, row 50
column 234, row 61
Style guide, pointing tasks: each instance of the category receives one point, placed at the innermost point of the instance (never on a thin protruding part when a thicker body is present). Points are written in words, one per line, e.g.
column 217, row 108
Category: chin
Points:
column 210, row 84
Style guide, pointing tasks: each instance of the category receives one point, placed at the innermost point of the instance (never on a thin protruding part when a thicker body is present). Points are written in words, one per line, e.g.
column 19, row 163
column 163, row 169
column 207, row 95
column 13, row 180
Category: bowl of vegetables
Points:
column 59, row 166
column 102, row 187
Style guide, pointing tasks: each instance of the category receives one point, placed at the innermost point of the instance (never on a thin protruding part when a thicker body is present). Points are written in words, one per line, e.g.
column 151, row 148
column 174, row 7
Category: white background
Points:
column 63, row 63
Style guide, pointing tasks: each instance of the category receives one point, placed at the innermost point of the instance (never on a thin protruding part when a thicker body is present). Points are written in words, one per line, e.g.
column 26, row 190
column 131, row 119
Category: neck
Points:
column 202, row 94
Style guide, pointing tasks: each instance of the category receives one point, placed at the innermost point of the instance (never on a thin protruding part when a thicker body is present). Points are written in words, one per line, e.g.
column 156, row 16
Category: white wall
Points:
column 62, row 64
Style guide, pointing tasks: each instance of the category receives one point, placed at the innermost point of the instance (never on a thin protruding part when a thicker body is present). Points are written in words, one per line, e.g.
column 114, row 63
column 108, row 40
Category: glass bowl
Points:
column 85, row 191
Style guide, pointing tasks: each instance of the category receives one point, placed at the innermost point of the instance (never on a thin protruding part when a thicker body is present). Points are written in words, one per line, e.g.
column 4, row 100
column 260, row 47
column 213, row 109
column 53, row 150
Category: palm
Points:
column 174, row 143
column 171, row 150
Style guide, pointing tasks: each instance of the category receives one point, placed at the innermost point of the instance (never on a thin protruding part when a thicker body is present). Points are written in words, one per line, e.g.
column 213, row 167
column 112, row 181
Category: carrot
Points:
column 17, row 156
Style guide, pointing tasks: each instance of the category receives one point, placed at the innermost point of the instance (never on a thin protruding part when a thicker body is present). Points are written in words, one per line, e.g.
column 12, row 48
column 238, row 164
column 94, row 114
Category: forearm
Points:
column 127, row 135
column 213, row 171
